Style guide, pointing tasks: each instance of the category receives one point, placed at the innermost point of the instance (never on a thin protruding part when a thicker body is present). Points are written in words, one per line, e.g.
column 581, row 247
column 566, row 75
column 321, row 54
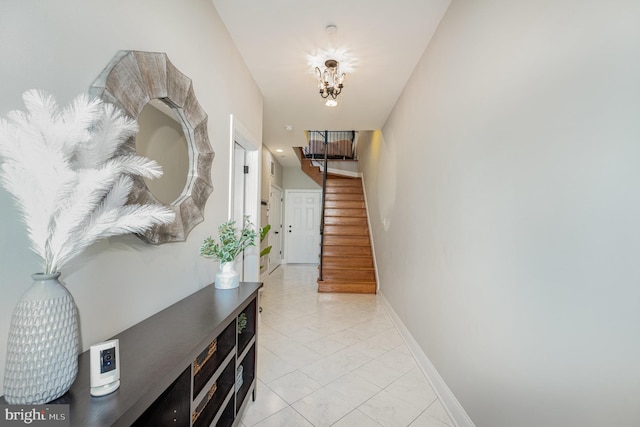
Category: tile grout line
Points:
column 284, row 295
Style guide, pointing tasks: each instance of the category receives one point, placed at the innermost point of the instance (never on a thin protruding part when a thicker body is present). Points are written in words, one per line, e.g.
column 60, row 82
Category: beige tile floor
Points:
column 334, row 360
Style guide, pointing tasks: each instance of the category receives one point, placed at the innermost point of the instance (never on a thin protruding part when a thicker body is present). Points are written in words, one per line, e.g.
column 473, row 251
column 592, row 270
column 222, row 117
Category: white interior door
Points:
column 302, row 226
column 275, row 235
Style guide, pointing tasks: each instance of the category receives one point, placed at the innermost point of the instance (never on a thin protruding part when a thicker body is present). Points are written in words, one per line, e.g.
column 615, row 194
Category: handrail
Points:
column 324, row 188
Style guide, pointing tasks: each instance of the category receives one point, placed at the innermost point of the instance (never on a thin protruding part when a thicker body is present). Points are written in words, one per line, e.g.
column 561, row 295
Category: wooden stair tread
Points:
column 348, row 272
column 350, row 267
column 347, row 287
column 334, row 281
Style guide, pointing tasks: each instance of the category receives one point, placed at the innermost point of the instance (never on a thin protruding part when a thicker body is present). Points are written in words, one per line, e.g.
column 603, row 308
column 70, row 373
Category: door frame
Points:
column 253, row 152
column 276, row 227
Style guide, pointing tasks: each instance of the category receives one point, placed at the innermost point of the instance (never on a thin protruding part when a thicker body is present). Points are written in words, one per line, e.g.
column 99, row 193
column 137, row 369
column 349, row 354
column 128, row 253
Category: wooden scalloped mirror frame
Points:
column 130, row 81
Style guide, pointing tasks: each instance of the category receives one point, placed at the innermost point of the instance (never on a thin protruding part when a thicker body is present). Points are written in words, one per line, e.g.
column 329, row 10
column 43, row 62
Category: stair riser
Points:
column 358, row 213
column 350, row 262
column 343, row 204
column 348, row 275
column 346, row 230
column 344, row 190
column 347, row 240
column 353, row 288
column 350, row 197
column 347, row 251
column 339, row 220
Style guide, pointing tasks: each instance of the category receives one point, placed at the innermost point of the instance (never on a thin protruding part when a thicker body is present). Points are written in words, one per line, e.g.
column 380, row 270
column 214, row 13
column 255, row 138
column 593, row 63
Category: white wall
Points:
column 267, row 180
column 294, row 179
column 61, row 47
column 505, row 201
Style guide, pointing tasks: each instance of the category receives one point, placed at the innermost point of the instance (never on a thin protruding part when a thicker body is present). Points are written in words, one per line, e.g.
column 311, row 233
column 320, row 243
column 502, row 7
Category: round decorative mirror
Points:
column 161, row 138
column 173, row 131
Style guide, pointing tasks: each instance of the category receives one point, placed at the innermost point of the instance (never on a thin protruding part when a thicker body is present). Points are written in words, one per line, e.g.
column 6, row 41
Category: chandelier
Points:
column 330, row 81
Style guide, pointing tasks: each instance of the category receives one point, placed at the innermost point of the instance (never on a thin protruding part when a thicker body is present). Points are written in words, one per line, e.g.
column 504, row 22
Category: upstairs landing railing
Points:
column 336, row 145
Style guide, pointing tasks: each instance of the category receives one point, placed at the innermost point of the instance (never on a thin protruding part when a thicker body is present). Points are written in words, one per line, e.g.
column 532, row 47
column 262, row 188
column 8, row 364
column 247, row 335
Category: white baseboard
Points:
column 455, row 410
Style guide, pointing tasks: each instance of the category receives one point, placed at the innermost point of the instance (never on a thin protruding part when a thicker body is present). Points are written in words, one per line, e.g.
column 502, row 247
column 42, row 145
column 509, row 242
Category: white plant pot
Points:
column 226, row 277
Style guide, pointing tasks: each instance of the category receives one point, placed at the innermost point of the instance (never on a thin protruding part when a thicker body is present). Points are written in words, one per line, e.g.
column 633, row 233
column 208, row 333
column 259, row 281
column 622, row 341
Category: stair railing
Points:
column 324, row 188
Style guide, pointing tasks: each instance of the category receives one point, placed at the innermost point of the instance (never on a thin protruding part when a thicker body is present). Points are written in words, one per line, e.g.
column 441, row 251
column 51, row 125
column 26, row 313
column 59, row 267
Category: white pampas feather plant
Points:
column 66, row 171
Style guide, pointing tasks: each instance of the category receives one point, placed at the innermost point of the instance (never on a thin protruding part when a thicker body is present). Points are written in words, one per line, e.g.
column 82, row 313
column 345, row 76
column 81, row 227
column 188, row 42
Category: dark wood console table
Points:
column 187, row 365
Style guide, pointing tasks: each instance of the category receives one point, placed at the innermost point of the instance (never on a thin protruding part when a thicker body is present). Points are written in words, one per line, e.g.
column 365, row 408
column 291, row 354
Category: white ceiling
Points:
column 377, row 43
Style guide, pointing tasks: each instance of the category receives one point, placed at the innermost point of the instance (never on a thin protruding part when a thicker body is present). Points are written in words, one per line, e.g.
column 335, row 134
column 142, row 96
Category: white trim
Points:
column 281, row 223
column 343, row 172
column 373, row 247
column 238, row 133
column 451, row 405
column 335, row 171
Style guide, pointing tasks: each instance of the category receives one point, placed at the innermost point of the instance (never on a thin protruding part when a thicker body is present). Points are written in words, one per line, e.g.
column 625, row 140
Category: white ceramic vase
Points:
column 226, row 277
column 42, row 349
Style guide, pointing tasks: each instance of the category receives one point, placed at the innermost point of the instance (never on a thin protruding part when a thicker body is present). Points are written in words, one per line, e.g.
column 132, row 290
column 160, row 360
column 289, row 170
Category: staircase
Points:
column 347, row 258
column 314, row 172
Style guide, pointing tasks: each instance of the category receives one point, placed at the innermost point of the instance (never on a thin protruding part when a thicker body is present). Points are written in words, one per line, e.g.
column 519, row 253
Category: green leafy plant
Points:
column 264, row 231
column 242, row 323
column 232, row 241
column 267, row 250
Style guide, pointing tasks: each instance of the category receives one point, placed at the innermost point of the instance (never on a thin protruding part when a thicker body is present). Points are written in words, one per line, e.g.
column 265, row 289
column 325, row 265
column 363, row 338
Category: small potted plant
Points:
column 232, row 241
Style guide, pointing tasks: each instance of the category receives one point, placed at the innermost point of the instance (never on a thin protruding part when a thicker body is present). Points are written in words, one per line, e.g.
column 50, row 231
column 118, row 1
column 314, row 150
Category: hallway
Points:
column 334, row 360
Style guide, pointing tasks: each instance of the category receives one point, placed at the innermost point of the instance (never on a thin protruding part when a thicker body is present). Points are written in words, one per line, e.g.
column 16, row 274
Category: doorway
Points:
column 302, row 231
column 244, row 194
column 275, row 219
column 239, row 199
